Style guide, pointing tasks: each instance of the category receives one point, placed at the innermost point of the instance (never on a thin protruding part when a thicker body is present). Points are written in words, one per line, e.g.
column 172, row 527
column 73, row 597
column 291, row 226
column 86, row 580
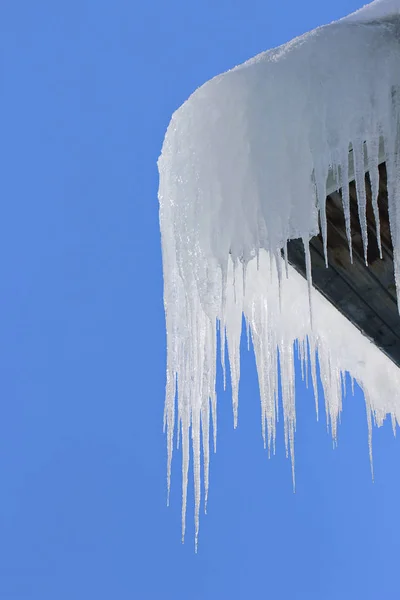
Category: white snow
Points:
column 246, row 165
column 380, row 9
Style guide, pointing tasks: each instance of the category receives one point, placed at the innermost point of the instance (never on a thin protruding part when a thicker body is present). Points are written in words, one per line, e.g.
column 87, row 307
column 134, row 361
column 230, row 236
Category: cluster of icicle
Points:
column 244, row 168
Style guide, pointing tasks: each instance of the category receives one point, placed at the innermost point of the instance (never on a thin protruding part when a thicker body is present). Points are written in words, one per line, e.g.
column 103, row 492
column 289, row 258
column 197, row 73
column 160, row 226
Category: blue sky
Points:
column 87, row 90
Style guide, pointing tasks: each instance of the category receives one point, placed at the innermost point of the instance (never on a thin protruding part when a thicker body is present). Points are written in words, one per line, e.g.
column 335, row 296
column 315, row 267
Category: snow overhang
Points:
column 247, row 165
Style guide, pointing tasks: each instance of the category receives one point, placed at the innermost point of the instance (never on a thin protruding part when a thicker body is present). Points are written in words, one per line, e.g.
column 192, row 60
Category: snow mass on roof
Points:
column 244, row 168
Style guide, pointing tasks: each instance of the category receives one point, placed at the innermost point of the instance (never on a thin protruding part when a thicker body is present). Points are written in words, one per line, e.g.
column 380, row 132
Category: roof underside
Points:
column 366, row 295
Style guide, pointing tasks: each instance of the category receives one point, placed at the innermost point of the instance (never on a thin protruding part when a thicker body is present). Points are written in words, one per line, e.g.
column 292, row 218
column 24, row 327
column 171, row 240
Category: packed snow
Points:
column 246, row 165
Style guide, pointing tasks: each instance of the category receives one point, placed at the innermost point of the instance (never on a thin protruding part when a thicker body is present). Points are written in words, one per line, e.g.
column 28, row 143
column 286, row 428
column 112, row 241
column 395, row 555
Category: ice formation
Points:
column 245, row 167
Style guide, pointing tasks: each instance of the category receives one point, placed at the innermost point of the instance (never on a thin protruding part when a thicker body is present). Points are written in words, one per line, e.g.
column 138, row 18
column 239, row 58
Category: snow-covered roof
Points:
column 246, row 165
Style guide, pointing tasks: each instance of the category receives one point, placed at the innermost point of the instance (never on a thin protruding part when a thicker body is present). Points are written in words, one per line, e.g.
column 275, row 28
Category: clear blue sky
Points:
column 87, row 89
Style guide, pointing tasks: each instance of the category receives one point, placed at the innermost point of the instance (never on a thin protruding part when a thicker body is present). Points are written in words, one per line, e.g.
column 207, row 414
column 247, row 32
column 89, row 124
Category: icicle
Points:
column 369, row 421
column 301, row 357
column 205, row 430
column 196, row 472
column 169, row 424
column 344, row 170
column 320, row 184
column 306, row 245
column 285, row 255
column 358, row 155
column 233, row 341
column 185, row 467
column 305, row 344
column 393, row 419
column 373, row 171
column 264, row 415
column 278, row 263
column 313, row 359
column 223, row 360
column 214, row 419
column 287, row 383
column 344, row 393
column 271, row 256
column 244, row 269
column 234, row 282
